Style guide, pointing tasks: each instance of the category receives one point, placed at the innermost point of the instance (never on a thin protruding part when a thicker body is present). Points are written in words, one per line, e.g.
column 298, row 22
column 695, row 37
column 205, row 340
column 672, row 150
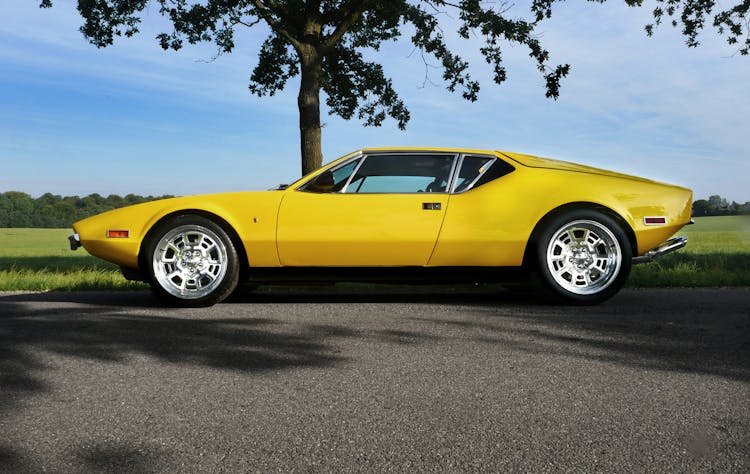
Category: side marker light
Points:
column 654, row 220
column 118, row 234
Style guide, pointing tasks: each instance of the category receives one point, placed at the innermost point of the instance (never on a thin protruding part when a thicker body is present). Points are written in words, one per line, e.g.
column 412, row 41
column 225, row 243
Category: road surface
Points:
column 447, row 379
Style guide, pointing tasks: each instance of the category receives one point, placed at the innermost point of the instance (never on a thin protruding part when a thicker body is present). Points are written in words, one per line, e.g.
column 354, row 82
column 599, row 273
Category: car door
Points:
column 381, row 209
column 490, row 216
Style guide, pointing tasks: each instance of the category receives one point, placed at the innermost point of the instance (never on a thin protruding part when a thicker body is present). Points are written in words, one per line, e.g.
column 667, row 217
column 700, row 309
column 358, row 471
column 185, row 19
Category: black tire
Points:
column 581, row 257
column 191, row 262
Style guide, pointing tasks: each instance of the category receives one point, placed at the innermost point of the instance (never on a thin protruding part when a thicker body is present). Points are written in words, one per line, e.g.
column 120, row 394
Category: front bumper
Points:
column 675, row 243
column 75, row 241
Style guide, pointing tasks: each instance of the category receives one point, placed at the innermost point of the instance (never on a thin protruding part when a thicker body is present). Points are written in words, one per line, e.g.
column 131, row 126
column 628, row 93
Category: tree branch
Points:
column 349, row 19
column 248, row 24
column 265, row 11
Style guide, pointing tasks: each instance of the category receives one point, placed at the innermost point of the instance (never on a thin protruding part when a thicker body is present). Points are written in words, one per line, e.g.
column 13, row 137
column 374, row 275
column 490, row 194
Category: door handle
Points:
column 431, row 206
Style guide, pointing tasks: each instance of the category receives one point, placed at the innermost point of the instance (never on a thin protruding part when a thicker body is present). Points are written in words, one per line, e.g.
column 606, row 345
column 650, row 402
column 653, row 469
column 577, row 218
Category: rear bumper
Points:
column 675, row 243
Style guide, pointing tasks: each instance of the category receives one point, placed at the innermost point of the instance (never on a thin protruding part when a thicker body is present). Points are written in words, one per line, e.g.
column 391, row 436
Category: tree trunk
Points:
column 308, row 102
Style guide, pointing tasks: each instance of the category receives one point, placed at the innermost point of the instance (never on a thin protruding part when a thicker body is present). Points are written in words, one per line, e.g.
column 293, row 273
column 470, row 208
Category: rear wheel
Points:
column 191, row 262
column 583, row 257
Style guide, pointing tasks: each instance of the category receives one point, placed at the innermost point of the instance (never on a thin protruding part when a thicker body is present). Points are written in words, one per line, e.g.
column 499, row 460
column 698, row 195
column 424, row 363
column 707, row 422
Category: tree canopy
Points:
column 716, row 205
column 52, row 211
column 324, row 41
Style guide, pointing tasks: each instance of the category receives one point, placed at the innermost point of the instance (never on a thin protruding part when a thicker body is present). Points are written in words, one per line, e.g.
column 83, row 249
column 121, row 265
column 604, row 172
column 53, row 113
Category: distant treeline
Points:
column 719, row 206
column 18, row 209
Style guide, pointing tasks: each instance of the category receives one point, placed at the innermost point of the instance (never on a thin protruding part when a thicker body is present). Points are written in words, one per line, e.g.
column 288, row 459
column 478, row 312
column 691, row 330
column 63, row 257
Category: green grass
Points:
column 717, row 254
column 41, row 260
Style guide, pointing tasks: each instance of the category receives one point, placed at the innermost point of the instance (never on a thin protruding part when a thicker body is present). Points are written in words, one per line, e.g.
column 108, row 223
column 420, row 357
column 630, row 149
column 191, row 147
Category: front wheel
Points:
column 583, row 257
column 191, row 262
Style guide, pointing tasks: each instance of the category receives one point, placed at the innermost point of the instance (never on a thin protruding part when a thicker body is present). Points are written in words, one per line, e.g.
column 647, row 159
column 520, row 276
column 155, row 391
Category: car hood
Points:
column 548, row 163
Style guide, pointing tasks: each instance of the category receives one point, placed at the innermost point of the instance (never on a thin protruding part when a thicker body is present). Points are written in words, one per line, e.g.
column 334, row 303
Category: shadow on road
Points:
column 696, row 331
column 98, row 332
column 687, row 331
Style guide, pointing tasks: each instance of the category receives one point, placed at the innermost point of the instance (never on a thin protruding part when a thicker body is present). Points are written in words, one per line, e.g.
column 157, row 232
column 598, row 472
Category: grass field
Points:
column 718, row 254
column 41, row 260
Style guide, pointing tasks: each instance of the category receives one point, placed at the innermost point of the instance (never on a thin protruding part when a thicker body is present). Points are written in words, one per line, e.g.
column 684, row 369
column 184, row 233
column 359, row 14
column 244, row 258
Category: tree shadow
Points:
column 685, row 331
column 122, row 457
column 29, row 334
column 96, row 333
column 13, row 460
column 698, row 331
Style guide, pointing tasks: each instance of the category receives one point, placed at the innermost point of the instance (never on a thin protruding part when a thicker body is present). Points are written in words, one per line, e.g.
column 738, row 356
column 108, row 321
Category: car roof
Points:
column 428, row 149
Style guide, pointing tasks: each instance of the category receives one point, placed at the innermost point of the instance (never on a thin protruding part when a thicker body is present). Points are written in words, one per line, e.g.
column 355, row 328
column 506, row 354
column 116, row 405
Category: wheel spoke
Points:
column 190, row 262
column 593, row 239
column 170, row 249
column 583, row 257
column 207, row 274
column 565, row 268
column 587, row 277
column 174, row 274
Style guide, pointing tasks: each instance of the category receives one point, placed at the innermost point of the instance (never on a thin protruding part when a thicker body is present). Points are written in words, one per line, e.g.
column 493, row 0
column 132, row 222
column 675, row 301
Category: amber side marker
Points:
column 118, row 234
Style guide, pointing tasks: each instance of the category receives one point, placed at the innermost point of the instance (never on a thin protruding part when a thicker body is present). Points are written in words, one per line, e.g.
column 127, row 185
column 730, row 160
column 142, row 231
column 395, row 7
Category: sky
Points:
column 132, row 118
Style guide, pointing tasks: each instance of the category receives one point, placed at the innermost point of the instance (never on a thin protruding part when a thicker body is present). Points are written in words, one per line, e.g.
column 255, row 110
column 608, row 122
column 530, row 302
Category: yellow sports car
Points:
column 409, row 215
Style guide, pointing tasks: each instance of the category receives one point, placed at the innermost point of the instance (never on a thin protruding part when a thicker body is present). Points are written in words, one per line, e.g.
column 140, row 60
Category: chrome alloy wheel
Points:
column 190, row 261
column 584, row 257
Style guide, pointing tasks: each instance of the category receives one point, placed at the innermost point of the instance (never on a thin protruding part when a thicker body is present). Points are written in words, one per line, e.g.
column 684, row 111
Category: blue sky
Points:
column 132, row 118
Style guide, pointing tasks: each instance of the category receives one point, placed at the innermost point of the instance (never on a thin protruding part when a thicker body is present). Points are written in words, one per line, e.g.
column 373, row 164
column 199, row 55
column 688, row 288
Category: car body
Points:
column 416, row 214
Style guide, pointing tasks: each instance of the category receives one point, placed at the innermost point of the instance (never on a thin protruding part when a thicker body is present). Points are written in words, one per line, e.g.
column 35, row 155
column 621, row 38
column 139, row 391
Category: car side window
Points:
column 471, row 168
column 331, row 181
column 402, row 173
column 478, row 170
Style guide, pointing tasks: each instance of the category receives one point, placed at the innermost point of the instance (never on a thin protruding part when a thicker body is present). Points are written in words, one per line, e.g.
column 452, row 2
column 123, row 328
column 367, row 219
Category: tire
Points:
column 191, row 262
column 582, row 257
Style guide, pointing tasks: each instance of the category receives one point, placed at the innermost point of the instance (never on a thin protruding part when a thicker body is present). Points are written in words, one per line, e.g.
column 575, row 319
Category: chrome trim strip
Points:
column 675, row 243
column 354, row 173
column 454, row 173
column 455, row 166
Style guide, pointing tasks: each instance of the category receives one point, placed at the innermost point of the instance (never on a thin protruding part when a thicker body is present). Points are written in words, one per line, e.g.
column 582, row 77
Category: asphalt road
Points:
column 405, row 380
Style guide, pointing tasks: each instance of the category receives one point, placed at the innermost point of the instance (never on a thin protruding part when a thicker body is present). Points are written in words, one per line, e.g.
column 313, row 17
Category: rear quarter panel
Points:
column 632, row 199
column 491, row 225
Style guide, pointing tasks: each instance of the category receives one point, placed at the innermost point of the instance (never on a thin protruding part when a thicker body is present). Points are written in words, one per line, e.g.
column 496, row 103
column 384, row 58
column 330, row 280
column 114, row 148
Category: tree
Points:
column 718, row 203
column 701, row 208
column 323, row 41
column 719, row 206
